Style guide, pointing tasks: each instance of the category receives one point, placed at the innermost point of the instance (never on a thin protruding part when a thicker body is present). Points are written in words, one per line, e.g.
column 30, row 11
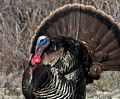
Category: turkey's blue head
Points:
column 42, row 43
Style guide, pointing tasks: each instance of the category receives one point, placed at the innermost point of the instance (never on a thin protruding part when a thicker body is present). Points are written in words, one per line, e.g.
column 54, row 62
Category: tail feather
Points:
column 102, row 31
column 112, row 46
column 113, row 64
column 107, row 38
column 114, row 54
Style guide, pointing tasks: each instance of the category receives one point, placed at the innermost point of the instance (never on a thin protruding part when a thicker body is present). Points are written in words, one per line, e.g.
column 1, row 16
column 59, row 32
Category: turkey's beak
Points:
column 37, row 58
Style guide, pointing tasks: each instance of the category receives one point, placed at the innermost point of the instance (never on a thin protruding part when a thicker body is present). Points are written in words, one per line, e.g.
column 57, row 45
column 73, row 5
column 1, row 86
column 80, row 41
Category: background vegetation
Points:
column 18, row 20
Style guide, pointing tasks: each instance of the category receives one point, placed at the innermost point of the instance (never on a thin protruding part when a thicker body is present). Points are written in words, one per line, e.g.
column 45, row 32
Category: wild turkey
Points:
column 70, row 49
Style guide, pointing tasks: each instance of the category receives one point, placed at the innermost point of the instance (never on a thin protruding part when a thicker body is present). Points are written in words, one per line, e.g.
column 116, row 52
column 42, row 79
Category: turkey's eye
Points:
column 42, row 42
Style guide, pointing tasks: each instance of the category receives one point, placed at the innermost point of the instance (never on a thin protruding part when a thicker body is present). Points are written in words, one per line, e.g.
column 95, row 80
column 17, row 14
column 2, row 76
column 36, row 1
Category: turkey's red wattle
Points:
column 36, row 60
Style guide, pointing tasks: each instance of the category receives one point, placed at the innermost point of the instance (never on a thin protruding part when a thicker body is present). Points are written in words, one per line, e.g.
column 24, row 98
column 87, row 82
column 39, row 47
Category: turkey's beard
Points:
column 41, row 76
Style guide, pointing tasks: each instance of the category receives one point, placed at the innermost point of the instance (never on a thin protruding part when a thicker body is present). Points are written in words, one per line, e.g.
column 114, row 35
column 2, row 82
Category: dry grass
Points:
column 18, row 20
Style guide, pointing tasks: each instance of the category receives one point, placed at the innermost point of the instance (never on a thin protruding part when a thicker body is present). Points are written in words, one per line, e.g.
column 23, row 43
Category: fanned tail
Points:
column 88, row 24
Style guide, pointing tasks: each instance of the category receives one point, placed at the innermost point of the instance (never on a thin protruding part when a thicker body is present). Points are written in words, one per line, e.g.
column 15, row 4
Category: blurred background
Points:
column 18, row 21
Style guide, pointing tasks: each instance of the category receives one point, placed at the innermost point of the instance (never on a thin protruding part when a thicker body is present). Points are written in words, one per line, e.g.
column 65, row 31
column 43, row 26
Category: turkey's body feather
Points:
column 66, row 73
